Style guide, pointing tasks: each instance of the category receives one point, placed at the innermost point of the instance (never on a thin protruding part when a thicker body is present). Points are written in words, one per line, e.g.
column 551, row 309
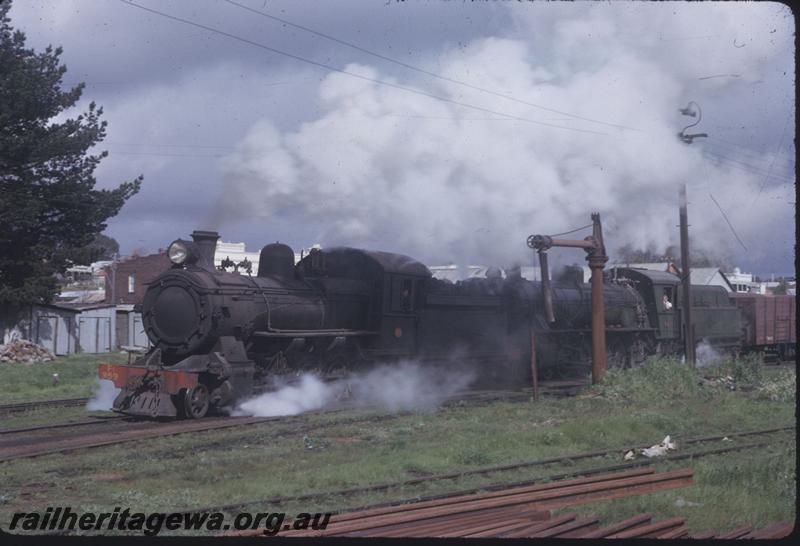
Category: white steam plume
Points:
column 383, row 168
column 103, row 396
column 405, row 386
column 706, row 355
column 310, row 394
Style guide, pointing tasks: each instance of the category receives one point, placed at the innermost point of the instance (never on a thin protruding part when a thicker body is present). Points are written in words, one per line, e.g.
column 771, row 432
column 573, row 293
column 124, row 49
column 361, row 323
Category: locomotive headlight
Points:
column 178, row 252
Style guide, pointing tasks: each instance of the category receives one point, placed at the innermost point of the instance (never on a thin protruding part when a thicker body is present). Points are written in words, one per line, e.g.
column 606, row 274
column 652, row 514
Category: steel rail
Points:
column 500, row 486
column 184, row 427
column 67, row 424
column 24, row 406
column 547, row 498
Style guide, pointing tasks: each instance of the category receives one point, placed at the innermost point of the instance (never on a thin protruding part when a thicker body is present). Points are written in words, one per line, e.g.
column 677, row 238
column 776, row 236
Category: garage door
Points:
column 95, row 334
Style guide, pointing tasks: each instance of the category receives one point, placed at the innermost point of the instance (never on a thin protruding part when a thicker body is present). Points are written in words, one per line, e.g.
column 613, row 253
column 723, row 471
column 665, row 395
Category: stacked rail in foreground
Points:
column 524, row 512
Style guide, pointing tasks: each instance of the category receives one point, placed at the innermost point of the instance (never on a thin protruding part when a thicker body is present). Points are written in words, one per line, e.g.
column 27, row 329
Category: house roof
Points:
column 81, row 296
column 59, row 306
column 705, row 276
column 83, row 306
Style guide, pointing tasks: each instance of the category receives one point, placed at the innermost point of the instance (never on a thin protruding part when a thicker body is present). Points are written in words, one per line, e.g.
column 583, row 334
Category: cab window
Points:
column 402, row 295
column 667, row 302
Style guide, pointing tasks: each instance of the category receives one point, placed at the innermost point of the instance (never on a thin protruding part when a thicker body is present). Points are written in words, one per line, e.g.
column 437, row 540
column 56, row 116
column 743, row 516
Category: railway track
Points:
column 550, row 388
column 48, row 439
column 526, row 464
column 66, row 424
column 27, row 406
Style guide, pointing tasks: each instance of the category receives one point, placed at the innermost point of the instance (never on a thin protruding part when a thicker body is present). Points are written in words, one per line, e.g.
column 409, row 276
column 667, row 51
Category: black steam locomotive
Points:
column 216, row 335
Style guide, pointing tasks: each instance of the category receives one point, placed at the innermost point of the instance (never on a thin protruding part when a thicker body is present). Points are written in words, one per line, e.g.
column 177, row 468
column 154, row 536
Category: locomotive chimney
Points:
column 206, row 242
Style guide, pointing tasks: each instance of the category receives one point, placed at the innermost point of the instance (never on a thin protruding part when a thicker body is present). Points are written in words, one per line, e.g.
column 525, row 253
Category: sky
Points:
column 445, row 130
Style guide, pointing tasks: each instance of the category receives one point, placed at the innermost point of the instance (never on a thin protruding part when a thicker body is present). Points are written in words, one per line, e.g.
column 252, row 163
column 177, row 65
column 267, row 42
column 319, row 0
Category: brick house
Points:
column 125, row 287
column 128, row 283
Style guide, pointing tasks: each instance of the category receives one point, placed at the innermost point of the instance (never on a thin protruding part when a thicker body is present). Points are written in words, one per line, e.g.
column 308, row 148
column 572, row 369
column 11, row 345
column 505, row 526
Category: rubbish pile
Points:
column 22, row 350
column 657, row 450
column 726, row 382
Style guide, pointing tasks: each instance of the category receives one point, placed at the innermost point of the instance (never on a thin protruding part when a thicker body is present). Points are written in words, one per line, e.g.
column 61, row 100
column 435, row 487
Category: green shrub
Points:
column 660, row 378
column 745, row 370
column 780, row 388
column 472, row 455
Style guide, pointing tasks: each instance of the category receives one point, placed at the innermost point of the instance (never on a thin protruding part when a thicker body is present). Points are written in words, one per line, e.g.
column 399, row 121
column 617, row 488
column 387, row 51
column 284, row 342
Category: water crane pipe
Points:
column 597, row 258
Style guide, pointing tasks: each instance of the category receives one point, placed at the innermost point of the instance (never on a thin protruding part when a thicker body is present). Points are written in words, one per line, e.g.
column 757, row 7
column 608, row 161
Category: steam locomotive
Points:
column 218, row 335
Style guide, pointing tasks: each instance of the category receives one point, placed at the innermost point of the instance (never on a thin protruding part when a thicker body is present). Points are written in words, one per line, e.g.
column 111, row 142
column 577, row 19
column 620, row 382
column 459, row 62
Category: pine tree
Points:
column 49, row 207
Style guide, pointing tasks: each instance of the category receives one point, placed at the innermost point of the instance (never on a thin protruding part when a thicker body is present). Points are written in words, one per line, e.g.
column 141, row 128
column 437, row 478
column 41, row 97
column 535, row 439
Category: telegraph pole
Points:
column 688, row 331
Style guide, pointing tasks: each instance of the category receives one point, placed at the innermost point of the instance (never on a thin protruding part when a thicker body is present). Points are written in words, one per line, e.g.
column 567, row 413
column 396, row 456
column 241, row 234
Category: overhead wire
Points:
column 728, row 221
column 748, row 153
column 422, row 70
column 353, row 74
column 754, row 169
column 764, row 182
column 725, row 216
column 744, row 166
column 742, row 149
column 738, row 145
column 571, row 231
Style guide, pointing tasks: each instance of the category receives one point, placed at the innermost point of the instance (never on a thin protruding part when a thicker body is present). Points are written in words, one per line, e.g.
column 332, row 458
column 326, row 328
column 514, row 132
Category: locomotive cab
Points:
column 391, row 288
column 715, row 317
column 659, row 290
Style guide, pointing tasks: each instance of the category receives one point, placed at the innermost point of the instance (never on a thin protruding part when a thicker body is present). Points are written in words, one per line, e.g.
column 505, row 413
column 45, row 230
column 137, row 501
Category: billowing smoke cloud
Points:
column 103, row 396
column 384, row 168
column 405, row 386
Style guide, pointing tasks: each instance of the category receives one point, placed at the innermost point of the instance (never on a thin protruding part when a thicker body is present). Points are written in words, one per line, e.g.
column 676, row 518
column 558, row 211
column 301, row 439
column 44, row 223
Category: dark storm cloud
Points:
column 109, row 42
column 172, row 93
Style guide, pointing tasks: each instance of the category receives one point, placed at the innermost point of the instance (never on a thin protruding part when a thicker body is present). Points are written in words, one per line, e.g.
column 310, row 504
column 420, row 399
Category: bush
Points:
column 472, row 455
column 660, row 378
column 781, row 388
column 745, row 370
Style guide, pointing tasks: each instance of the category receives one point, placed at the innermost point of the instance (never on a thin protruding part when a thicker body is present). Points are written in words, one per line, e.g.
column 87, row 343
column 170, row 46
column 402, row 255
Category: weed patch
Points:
column 319, row 453
column 782, row 387
column 658, row 379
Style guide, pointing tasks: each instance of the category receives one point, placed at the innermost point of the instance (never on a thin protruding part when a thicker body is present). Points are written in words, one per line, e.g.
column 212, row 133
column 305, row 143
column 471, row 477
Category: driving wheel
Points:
column 195, row 402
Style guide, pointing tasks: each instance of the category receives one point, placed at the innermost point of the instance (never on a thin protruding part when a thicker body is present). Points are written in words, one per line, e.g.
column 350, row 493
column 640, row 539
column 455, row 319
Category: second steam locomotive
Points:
column 218, row 335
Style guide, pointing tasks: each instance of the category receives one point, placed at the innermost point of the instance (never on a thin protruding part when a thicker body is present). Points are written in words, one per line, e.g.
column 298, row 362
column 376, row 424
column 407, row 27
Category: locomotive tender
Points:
column 216, row 335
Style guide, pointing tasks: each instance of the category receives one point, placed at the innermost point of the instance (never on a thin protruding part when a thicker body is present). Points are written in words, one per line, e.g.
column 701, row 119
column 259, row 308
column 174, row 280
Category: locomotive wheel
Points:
column 196, row 402
column 616, row 355
column 335, row 363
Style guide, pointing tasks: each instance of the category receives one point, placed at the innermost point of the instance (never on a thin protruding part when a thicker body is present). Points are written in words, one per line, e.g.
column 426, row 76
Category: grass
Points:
column 730, row 490
column 77, row 374
column 45, row 416
column 274, row 459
